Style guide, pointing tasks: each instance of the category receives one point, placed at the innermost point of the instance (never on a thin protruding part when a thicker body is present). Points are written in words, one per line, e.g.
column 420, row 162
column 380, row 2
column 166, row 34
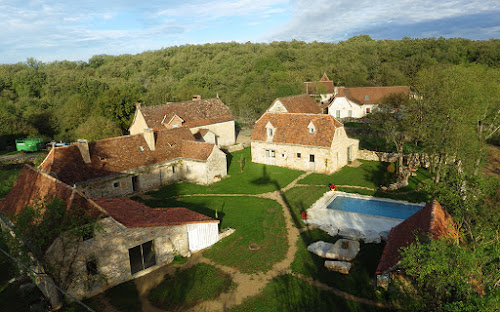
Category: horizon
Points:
column 74, row 31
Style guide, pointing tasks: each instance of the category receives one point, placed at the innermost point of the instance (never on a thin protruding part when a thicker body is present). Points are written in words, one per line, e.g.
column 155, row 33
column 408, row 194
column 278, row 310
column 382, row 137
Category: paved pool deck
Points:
column 319, row 215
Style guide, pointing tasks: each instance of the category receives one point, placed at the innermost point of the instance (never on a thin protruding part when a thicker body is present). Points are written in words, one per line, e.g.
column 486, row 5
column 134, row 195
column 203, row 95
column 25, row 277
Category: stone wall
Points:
column 109, row 248
column 423, row 159
column 225, row 131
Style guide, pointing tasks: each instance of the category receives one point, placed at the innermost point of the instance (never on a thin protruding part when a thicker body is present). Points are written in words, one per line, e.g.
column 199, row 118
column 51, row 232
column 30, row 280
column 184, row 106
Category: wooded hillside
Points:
column 65, row 100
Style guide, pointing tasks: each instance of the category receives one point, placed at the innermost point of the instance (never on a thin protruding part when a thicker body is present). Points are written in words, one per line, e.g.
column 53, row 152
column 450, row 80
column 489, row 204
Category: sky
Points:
column 76, row 30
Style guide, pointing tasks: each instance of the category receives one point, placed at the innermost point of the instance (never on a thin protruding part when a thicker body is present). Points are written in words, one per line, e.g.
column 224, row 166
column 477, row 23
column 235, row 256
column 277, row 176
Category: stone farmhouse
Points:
column 358, row 102
column 129, row 240
column 209, row 120
column 431, row 220
column 323, row 88
column 311, row 142
column 122, row 165
column 302, row 103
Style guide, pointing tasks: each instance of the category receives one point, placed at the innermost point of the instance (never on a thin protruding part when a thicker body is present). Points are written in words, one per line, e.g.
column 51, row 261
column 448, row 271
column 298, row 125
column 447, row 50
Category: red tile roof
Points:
column 133, row 214
column 302, row 103
column 432, row 220
column 119, row 154
column 194, row 113
column 293, row 129
column 371, row 95
column 325, row 85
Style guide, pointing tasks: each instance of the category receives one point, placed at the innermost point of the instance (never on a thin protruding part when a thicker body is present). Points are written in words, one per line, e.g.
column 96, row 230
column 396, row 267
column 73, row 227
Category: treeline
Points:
column 65, row 100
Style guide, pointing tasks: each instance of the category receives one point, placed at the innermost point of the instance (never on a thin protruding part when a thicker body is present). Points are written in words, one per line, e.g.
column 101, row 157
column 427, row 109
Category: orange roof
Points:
column 119, row 154
column 302, row 103
column 293, row 129
column 432, row 219
column 194, row 113
column 133, row 214
column 371, row 95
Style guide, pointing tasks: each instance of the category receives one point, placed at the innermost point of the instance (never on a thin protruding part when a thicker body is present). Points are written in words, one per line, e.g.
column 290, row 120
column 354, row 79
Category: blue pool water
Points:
column 373, row 207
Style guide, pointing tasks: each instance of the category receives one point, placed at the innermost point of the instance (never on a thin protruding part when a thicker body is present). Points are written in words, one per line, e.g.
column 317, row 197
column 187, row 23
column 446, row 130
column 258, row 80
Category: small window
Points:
column 270, row 132
column 92, row 267
column 173, row 169
column 368, row 110
column 270, row 153
column 311, row 158
column 367, row 97
column 337, row 113
column 116, row 184
column 283, row 155
column 141, row 148
column 299, row 155
column 349, row 113
column 311, row 130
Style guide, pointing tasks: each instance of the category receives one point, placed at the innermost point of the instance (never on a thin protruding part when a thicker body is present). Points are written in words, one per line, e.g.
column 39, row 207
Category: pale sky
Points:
column 77, row 30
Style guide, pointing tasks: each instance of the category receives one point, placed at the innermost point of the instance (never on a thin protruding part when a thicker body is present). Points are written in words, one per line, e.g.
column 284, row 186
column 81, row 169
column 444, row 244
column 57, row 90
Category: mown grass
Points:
column 300, row 198
column 289, row 293
column 189, row 287
column 359, row 281
column 244, row 177
column 256, row 220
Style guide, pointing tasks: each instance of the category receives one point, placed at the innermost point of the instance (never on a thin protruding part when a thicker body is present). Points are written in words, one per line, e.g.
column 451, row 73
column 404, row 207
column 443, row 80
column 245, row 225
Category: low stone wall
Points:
column 237, row 147
column 424, row 159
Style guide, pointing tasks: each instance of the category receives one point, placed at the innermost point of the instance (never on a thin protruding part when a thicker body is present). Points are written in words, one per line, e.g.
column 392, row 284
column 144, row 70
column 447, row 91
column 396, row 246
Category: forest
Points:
column 65, row 100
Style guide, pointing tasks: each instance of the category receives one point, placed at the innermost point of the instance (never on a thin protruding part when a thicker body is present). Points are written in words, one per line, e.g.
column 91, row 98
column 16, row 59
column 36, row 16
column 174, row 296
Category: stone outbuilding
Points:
column 359, row 102
column 122, row 165
column 310, row 142
column 200, row 116
column 128, row 240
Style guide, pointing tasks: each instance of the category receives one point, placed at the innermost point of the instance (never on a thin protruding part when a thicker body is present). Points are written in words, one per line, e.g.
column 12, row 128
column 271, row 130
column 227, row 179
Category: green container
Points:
column 29, row 145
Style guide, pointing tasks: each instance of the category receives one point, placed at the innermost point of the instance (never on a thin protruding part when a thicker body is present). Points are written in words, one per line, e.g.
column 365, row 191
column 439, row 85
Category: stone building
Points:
column 129, row 239
column 358, row 102
column 200, row 116
column 302, row 103
column 310, row 142
column 122, row 165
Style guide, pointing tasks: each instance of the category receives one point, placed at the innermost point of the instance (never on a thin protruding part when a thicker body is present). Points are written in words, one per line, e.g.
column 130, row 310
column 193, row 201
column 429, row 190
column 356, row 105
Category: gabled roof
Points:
column 324, row 78
column 432, row 220
column 324, row 83
column 194, row 113
column 133, row 214
column 302, row 103
column 371, row 95
column 123, row 153
column 293, row 129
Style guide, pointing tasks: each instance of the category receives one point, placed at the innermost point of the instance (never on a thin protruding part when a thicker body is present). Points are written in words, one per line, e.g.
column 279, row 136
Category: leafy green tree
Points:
column 96, row 128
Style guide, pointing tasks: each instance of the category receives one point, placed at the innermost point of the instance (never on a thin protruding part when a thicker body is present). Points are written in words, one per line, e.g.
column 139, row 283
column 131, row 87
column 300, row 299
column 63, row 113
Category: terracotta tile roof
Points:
column 371, row 95
column 432, row 219
column 324, row 87
column 293, row 129
column 119, row 154
column 133, row 214
column 302, row 103
column 194, row 113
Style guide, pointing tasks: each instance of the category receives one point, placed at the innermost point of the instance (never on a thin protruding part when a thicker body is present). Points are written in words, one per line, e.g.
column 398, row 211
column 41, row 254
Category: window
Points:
column 142, row 257
column 311, row 130
column 173, row 169
column 311, row 158
column 337, row 114
column 349, row 113
column 116, row 184
column 283, row 155
column 367, row 97
column 368, row 110
column 270, row 132
column 91, row 267
column 270, row 153
column 299, row 155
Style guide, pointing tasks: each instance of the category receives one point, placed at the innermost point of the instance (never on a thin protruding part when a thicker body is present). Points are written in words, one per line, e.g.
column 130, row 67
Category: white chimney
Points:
column 83, row 146
column 149, row 136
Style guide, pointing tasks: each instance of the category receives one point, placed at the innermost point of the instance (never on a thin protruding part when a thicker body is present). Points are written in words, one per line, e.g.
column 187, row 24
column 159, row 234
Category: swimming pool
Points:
column 374, row 207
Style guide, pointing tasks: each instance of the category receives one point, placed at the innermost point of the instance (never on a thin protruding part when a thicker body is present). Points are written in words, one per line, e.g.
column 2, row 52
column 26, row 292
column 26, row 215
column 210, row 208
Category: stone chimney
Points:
column 196, row 97
column 149, row 136
column 83, row 146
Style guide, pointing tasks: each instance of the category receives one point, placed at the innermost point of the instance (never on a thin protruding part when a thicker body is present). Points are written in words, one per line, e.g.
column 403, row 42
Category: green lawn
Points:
column 189, row 287
column 254, row 179
column 288, row 293
column 256, row 220
column 360, row 279
column 8, row 176
column 300, row 198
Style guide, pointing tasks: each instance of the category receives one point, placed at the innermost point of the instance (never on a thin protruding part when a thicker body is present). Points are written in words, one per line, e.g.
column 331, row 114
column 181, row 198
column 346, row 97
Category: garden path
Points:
column 248, row 285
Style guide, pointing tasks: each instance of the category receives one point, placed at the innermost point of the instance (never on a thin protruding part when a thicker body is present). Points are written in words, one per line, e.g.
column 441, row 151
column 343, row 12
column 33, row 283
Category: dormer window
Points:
column 311, row 128
column 269, row 131
column 367, row 97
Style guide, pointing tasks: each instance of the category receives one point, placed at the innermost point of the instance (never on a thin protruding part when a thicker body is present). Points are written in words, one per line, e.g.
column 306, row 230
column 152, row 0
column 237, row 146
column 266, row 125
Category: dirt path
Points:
column 248, row 285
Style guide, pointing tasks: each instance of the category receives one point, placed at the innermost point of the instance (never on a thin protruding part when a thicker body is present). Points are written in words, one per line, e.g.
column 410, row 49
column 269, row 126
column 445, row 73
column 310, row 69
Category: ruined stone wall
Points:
column 109, row 248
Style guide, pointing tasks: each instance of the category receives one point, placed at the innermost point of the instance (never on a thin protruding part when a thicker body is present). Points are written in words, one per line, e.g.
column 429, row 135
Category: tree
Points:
column 96, row 128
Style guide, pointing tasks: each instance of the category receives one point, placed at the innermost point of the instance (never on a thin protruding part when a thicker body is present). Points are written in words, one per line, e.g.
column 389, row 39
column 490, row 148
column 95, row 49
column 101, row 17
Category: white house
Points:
column 310, row 142
column 358, row 102
column 200, row 116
